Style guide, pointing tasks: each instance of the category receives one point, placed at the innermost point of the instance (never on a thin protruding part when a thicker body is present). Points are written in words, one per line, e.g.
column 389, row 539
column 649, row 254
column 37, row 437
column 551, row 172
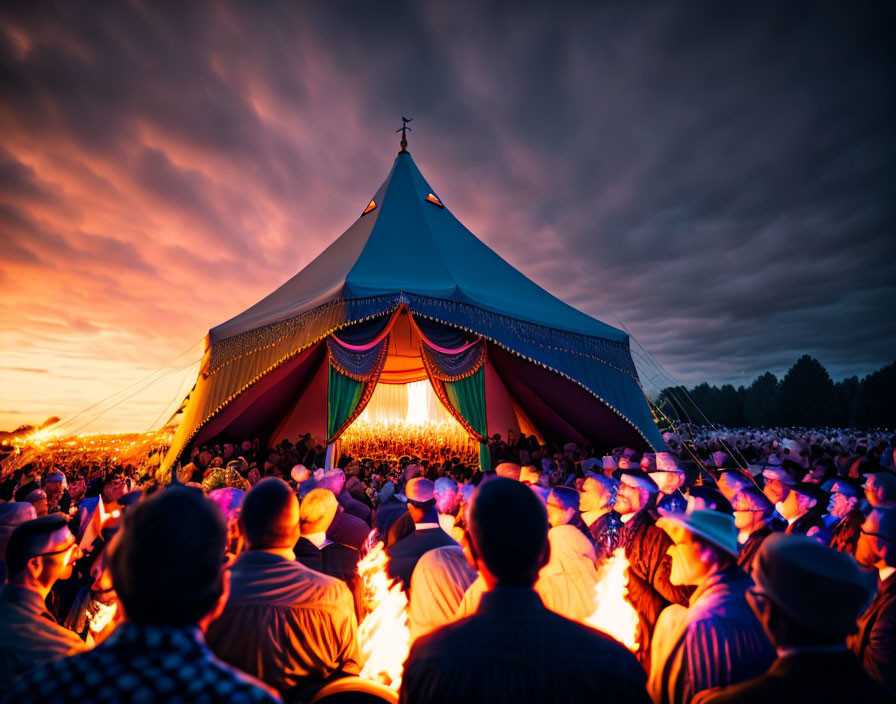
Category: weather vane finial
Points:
column 404, row 130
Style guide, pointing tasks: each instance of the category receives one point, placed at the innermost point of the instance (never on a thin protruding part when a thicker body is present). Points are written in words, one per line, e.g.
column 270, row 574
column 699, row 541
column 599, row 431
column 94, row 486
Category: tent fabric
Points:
column 343, row 398
column 467, row 397
column 410, row 255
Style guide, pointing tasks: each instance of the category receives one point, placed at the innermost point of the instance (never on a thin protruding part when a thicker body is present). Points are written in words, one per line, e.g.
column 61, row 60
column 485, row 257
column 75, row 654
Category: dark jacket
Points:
column 606, row 532
column 875, row 643
column 816, row 678
column 404, row 554
column 845, row 533
column 513, row 650
column 749, row 549
column 348, row 530
column 336, row 560
column 649, row 589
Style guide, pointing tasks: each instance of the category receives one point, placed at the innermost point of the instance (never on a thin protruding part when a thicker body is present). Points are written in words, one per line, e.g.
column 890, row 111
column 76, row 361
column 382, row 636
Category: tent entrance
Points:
column 407, row 420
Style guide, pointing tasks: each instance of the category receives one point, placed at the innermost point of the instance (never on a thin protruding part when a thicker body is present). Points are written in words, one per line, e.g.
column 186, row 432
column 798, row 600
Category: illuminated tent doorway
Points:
column 502, row 353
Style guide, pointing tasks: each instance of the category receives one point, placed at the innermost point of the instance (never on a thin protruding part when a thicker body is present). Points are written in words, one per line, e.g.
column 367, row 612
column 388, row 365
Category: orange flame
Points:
column 383, row 636
column 613, row 614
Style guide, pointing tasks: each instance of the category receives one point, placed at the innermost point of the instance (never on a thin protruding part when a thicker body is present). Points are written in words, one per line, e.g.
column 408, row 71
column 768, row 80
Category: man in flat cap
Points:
column 752, row 517
column 683, row 662
column 880, row 489
column 646, row 547
column 807, row 597
column 875, row 643
column 844, row 519
column 801, row 511
column 427, row 535
column 669, row 476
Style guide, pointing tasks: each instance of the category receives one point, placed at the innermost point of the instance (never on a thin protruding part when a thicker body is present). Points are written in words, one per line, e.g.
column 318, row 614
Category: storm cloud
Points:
column 716, row 178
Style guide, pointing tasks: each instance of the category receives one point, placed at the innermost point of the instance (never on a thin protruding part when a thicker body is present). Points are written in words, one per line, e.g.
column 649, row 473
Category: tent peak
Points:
column 404, row 137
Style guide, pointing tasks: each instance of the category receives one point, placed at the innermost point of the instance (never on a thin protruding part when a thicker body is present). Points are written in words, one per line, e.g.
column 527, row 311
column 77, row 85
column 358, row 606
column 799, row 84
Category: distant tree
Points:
column 845, row 392
column 761, row 401
column 873, row 404
column 807, row 394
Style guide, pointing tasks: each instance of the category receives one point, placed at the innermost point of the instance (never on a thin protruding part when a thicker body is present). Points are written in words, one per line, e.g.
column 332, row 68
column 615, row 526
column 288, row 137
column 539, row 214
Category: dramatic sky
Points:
column 720, row 176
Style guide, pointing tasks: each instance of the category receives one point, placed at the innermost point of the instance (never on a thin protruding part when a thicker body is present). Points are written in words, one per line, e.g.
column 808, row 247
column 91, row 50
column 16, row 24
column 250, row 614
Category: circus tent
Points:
column 407, row 294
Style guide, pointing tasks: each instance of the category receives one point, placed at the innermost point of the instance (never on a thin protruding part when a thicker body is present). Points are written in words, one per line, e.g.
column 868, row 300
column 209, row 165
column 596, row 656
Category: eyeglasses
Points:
column 71, row 547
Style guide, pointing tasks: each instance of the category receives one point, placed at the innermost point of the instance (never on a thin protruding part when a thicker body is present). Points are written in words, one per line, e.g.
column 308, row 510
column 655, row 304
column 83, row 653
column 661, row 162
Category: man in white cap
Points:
column 717, row 640
column 427, row 535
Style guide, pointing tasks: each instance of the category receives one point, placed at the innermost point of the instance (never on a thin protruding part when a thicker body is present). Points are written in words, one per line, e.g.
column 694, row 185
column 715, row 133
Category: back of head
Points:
column 446, row 495
column 817, row 591
column 318, row 510
column 270, row 515
column 168, row 561
column 29, row 539
column 509, row 526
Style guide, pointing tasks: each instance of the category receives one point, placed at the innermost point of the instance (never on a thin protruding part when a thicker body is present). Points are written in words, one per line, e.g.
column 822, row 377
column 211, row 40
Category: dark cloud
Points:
column 719, row 176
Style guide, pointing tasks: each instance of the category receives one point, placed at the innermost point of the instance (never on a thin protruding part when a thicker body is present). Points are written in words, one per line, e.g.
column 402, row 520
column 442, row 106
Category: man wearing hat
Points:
column 596, row 503
column 717, row 640
column 646, row 547
column 752, row 517
column 58, row 500
column 875, row 643
column 844, row 519
column 807, row 598
column 880, row 489
column 800, row 510
column 669, row 477
column 427, row 535
column 563, row 509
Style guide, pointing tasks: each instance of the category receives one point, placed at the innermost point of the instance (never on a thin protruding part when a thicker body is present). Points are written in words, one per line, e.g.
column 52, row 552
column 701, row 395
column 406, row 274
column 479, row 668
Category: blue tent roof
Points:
column 412, row 251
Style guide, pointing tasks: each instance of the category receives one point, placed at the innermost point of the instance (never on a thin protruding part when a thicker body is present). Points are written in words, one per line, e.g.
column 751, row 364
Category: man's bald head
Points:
column 318, row 511
column 270, row 515
column 509, row 527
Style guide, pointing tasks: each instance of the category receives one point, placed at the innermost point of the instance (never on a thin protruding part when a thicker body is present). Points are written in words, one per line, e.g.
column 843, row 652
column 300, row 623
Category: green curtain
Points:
column 468, row 397
column 343, row 395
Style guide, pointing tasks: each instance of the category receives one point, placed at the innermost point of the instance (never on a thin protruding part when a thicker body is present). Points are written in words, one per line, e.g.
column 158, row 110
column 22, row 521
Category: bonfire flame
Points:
column 613, row 614
column 383, row 636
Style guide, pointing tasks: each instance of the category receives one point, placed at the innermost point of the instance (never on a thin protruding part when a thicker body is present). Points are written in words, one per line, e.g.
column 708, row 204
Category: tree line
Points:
column 806, row 396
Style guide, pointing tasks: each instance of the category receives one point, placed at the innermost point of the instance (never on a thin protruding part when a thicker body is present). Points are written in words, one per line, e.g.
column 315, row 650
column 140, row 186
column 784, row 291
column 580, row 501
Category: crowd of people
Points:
column 761, row 565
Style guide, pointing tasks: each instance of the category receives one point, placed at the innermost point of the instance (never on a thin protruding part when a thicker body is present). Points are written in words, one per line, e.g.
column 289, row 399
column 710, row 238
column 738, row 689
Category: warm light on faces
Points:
column 775, row 490
column 691, row 562
column 668, row 482
column 628, row 499
column 868, row 547
column 840, row 505
column 594, row 497
column 794, row 506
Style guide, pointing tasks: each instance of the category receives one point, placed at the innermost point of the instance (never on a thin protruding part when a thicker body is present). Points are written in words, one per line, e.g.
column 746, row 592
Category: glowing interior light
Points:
column 417, row 402
column 435, row 201
column 370, row 206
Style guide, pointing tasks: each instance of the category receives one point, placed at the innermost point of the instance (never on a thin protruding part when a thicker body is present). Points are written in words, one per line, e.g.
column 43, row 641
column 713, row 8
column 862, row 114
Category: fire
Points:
column 613, row 614
column 383, row 635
